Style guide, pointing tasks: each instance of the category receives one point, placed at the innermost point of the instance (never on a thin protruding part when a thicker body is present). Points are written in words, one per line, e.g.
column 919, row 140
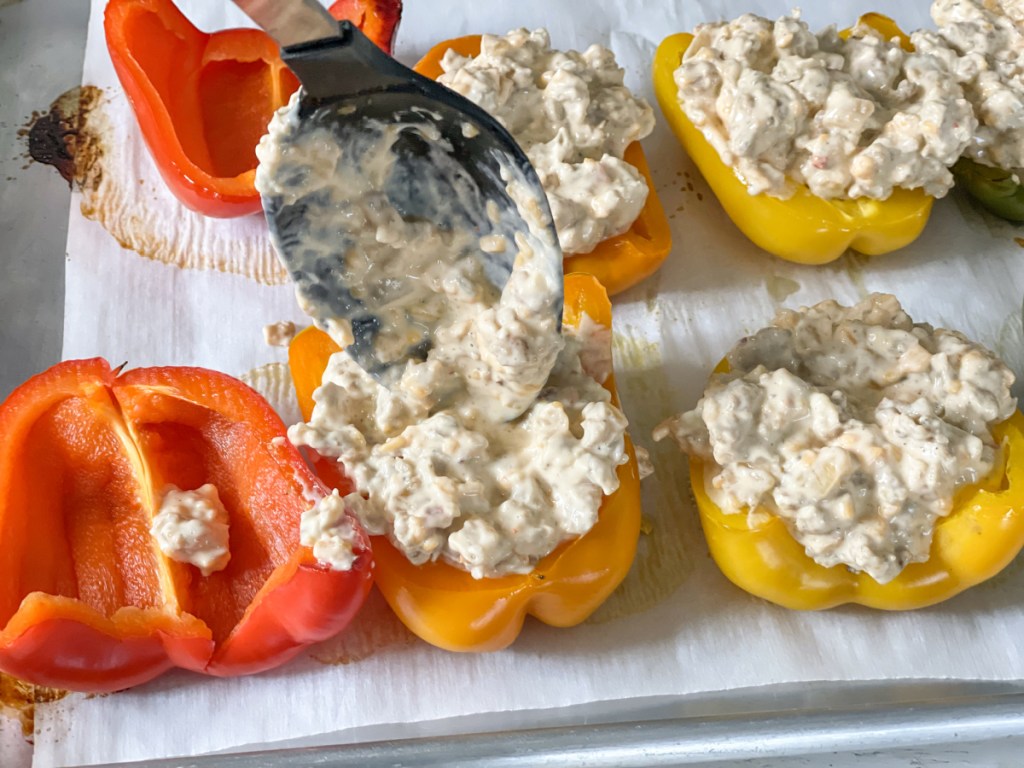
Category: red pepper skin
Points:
column 79, row 653
column 378, row 19
column 87, row 601
column 203, row 100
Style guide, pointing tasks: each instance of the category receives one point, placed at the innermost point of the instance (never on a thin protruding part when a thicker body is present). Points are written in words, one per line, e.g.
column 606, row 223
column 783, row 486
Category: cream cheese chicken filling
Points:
column 982, row 44
column 848, row 118
column 497, row 446
column 574, row 118
column 855, row 426
column 193, row 527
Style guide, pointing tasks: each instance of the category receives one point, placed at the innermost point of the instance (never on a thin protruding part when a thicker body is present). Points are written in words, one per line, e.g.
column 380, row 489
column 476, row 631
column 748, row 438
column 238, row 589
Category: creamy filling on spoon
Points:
column 498, row 445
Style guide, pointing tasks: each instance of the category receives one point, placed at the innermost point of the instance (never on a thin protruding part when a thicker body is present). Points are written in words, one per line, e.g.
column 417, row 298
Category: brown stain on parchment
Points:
column 1019, row 241
column 58, row 136
column 76, row 135
column 666, row 551
column 19, row 699
column 374, row 629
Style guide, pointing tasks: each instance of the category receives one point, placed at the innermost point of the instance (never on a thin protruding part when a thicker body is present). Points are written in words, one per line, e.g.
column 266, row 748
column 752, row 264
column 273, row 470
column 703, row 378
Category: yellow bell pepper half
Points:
column 445, row 605
column 805, row 228
column 974, row 542
column 622, row 261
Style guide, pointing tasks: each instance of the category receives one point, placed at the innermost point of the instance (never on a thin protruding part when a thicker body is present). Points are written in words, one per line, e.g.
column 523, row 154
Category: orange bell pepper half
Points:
column 87, row 599
column 203, row 100
column 445, row 605
column 619, row 262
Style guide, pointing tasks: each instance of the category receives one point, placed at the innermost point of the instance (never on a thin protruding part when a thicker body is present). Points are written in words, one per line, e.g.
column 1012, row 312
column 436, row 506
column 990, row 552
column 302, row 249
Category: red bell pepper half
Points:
column 87, row 599
column 203, row 100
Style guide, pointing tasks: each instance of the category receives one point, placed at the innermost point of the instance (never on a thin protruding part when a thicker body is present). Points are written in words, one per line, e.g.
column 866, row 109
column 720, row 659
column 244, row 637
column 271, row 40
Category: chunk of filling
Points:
column 327, row 529
column 574, row 118
column 982, row 42
column 855, row 426
column 849, row 118
column 192, row 527
column 444, row 480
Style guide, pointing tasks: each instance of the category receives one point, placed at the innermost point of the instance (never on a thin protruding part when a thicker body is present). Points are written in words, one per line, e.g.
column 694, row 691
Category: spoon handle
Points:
column 291, row 22
column 332, row 59
column 346, row 65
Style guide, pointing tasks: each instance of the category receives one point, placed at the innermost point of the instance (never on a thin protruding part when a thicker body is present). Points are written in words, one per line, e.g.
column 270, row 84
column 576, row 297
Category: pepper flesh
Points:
column 203, row 100
column 445, row 605
column 804, row 228
column 975, row 541
column 619, row 262
column 87, row 600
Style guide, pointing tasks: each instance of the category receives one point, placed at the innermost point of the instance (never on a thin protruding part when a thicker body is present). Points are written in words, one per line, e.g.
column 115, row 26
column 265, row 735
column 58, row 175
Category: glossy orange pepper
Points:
column 203, row 100
column 87, row 599
column 803, row 228
column 619, row 262
column 445, row 605
column 974, row 542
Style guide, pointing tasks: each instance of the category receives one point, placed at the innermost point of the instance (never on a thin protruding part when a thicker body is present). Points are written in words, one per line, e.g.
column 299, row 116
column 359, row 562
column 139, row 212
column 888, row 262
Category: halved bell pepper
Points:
column 996, row 190
column 974, row 542
column 203, row 100
column 87, row 599
column 804, row 228
column 445, row 605
column 619, row 262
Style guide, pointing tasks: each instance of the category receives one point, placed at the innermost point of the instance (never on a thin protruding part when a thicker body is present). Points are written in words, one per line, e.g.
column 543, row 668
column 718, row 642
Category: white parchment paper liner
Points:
column 676, row 627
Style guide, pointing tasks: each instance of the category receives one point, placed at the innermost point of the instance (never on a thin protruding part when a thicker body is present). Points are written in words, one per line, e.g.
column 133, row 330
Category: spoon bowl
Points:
column 374, row 136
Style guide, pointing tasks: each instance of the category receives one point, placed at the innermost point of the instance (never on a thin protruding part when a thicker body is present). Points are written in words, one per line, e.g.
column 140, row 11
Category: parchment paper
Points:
column 676, row 627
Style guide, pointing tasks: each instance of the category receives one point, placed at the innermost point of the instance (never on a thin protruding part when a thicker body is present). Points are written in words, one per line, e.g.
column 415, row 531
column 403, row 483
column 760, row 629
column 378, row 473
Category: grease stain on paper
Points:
column 780, row 287
column 854, row 264
column 664, row 556
column 374, row 629
column 19, row 699
column 85, row 135
column 57, row 135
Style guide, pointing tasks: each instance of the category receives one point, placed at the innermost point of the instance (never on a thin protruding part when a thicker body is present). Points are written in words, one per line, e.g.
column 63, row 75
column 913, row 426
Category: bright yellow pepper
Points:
column 445, row 605
column 622, row 261
column 975, row 541
column 804, row 228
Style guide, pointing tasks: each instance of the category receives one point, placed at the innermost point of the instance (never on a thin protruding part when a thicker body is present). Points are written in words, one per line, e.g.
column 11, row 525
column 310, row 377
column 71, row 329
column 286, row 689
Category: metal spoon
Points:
column 452, row 177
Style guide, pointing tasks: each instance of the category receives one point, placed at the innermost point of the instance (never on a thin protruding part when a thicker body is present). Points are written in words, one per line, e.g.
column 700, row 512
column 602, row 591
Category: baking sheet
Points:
column 676, row 627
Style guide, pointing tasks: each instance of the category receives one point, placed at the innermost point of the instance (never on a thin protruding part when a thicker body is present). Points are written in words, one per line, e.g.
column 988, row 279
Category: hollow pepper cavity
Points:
column 804, row 228
column 87, row 599
column 445, row 605
column 203, row 100
column 619, row 262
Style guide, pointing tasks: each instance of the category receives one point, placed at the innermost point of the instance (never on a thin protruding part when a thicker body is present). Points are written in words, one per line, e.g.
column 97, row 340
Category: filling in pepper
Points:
column 848, row 118
column 498, row 445
column 983, row 44
column 856, row 426
column 192, row 527
column 574, row 118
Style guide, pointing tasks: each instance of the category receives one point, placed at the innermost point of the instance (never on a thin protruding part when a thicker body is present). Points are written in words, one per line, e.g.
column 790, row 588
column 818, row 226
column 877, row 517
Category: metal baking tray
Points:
column 919, row 724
